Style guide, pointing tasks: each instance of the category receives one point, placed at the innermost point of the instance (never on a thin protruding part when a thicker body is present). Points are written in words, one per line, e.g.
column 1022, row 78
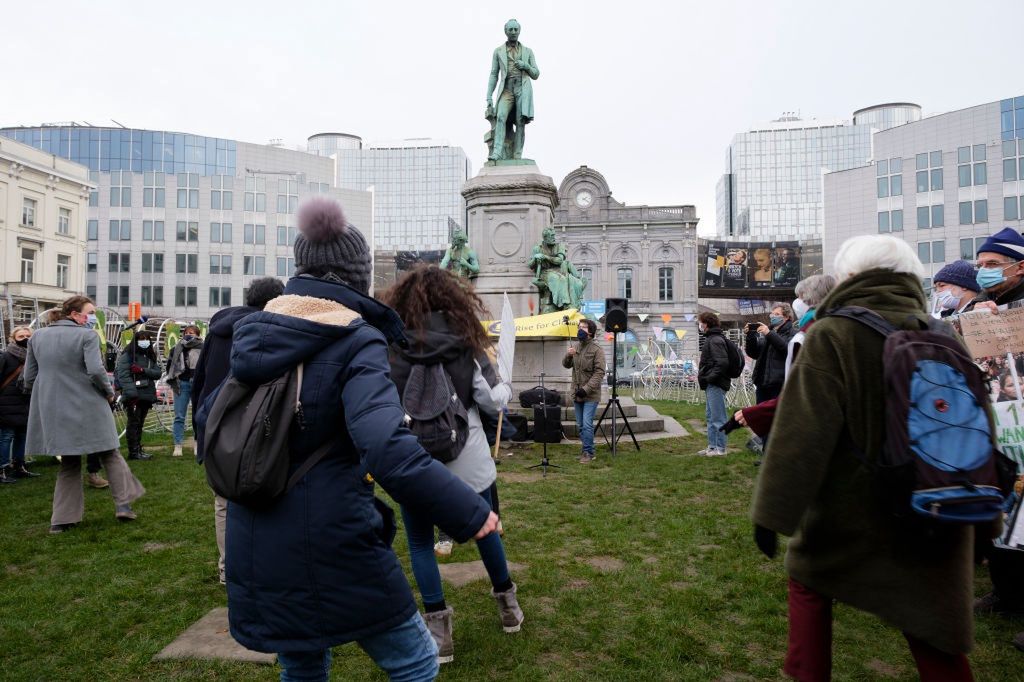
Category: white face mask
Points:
column 800, row 308
column 143, row 345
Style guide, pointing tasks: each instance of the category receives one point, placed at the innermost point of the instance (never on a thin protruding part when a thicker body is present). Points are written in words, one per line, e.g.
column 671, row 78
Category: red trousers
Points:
column 809, row 658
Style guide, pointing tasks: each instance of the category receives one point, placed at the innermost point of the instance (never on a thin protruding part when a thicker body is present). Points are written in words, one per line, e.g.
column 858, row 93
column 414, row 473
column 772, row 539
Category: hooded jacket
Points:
column 813, row 487
column 476, row 383
column 314, row 570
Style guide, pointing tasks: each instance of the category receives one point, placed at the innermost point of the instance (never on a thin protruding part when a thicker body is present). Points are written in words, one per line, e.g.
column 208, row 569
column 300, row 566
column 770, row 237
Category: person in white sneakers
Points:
column 181, row 367
column 713, row 378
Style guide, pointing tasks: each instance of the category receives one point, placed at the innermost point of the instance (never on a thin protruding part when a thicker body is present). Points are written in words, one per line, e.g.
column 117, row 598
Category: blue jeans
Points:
column 585, row 424
column 420, row 532
column 716, row 416
column 181, row 400
column 406, row 652
column 12, row 443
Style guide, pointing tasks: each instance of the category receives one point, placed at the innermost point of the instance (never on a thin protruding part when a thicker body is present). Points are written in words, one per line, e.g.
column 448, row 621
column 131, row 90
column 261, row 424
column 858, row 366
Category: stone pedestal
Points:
column 508, row 207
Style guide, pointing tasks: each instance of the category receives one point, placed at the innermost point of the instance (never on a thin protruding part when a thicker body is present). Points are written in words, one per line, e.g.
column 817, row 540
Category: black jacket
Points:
column 438, row 344
column 770, row 352
column 1014, row 294
column 713, row 369
column 14, row 401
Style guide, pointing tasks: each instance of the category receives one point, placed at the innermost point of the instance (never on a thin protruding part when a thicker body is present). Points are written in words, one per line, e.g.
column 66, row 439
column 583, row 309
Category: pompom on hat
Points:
column 327, row 243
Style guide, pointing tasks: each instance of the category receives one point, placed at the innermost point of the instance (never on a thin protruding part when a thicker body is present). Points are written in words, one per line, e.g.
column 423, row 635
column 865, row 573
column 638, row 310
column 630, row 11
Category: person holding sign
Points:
column 1000, row 270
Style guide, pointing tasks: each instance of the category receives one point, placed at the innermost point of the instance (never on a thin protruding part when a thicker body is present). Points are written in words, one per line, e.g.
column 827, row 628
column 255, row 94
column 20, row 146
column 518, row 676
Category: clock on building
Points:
column 584, row 198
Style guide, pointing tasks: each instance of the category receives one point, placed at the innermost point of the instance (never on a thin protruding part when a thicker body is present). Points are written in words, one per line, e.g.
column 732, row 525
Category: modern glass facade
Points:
column 1011, row 118
column 129, row 149
column 326, row 144
column 417, row 191
column 772, row 184
column 885, row 116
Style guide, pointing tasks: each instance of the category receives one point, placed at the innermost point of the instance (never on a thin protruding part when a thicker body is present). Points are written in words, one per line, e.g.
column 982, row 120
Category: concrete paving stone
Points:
column 209, row 639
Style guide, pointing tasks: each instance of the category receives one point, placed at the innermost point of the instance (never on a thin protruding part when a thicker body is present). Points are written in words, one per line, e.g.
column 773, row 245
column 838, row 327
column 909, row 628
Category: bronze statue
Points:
column 460, row 258
column 513, row 67
column 556, row 278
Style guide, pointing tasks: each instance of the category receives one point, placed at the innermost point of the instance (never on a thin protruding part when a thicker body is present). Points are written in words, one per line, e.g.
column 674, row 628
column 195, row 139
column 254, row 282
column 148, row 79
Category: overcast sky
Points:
column 648, row 93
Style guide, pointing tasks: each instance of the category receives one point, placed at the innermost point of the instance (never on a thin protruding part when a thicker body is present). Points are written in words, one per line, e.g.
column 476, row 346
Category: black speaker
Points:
column 547, row 424
column 616, row 315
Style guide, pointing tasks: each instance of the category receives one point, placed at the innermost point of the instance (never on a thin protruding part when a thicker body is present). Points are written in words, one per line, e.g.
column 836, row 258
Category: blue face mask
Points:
column 774, row 321
column 90, row 320
column 582, row 335
column 991, row 277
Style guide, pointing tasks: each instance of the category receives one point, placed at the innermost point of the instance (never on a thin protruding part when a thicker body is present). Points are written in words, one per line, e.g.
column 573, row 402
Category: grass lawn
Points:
column 637, row 569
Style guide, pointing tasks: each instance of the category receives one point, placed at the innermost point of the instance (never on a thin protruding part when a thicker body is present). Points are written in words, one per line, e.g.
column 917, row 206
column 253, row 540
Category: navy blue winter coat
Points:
column 316, row 570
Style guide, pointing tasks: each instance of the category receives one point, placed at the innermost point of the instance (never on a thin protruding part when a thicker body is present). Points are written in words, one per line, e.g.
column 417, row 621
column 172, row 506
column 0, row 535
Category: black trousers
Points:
column 136, row 411
column 1006, row 566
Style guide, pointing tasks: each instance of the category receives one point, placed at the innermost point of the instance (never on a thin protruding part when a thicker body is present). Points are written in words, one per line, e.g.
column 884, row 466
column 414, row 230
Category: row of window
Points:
column 29, row 210
column 971, row 169
column 624, row 282
column 28, row 268
column 971, row 212
column 120, row 295
column 185, row 263
column 188, row 231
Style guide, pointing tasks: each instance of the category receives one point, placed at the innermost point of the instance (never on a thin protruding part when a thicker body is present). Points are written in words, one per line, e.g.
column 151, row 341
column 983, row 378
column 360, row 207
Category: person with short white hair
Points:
column 815, row 488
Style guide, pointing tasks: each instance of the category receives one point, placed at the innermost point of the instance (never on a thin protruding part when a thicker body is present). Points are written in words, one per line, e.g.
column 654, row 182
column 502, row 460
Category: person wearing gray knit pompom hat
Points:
column 315, row 569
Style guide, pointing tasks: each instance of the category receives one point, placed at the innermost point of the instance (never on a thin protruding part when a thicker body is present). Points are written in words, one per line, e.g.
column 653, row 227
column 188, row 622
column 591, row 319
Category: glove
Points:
column 581, row 395
column 135, row 369
column 766, row 540
column 729, row 426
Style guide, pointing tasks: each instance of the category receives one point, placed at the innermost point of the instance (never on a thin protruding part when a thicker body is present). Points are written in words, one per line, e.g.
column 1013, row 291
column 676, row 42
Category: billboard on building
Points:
column 735, row 275
column 752, row 265
column 786, row 264
column 759, row 265
column 715, row 264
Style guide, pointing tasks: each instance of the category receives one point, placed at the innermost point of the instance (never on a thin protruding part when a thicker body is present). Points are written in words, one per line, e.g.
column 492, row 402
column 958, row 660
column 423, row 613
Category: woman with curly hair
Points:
column 440, row 313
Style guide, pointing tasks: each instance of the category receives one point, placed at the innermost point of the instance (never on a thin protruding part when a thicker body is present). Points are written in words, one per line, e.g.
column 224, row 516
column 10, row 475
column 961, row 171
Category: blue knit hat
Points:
column 959, row 273
column 1007, row 242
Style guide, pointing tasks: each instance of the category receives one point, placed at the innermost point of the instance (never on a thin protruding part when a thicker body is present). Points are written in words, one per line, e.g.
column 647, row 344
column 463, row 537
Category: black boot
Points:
column 5, row 478
column 21, row 472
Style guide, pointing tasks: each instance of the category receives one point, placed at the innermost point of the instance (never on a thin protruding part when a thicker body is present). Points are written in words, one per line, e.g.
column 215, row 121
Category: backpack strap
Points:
column 310, row 462
column 866, row 317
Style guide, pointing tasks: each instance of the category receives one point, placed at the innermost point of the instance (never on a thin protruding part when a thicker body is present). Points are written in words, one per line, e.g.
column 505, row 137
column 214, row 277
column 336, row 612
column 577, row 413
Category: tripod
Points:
column 614, row 402
column 544, row 462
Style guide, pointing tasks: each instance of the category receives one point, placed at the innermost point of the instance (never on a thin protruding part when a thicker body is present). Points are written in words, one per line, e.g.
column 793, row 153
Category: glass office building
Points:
column 772, row 184
column 417, row 188
column 181, row 222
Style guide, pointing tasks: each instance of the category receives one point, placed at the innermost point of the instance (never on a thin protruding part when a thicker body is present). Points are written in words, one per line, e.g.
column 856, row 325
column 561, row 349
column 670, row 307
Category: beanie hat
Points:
column 326, row 243
column 1007, row 242
column 960, row 274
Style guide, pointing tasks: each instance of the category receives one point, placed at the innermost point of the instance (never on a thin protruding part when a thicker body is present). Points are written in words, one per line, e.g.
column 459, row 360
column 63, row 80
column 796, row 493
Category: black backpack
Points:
column 937, row 460
column 736, row 361
column 532, row 397
column 434, row 412
column 245, row 439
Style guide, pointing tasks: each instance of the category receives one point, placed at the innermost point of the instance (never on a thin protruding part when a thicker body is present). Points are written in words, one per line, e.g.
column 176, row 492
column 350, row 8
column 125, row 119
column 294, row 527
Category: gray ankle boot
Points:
column 508, row 609
column 439, row 623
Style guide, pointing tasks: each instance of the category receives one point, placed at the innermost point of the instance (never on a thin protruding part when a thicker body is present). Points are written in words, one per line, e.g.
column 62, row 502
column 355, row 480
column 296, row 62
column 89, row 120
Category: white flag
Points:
column 506, row 342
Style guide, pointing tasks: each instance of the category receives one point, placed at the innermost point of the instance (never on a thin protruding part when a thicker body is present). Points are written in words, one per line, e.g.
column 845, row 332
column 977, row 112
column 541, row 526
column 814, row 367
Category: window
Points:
column 28, row 265
column 152, row 262
column 966, row 213
column 117, row 295
column 883, row 187
column 625, row 281
column 120, row 230
column 221, row 194
column 93, row 230
column 90, row 291
column 968, row 174
column 883, row 222
column 929, row 171
column 665, row 282
column 184, row 296
column 119, row 262
column 923, row 217
column 1009, row 169
column 220, row 233
column 152, row 296
column 896, row 219
column 188, row 190
column 63, row 265
column 220, row 297
column 91, row 261
column 587, row 275
column 254, row 265
column 153, row 230
column 285, row 267
column 964, row 175
column 1010, row 208
column 187, row 231
column 153, row 190
column 255, row 194
column 981, row 211
column 64, row 221
column 220, row 265
column 938, row 215
column 254, row 234
column 980, row 174
column 121, row 188
column 186, row 263
column 932, row 252
column 28, row 212
column 287, row 198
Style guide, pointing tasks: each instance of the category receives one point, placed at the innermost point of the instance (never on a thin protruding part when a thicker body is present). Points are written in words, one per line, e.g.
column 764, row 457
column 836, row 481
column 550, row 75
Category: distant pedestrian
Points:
column 767, row 345
column 212, row 369
column 586, row 360
column 713, row 378
column 181, row 367
column 14, row 404
column 137, row 371
column 70, row 412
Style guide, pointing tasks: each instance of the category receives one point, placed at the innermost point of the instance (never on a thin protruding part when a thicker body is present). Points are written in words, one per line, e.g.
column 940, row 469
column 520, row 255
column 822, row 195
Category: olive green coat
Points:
column 588, row 369
column 813, row 488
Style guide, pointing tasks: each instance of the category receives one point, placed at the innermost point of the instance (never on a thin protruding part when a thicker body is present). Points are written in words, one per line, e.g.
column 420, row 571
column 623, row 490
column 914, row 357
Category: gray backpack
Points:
column 434, row 413
column 245, row 437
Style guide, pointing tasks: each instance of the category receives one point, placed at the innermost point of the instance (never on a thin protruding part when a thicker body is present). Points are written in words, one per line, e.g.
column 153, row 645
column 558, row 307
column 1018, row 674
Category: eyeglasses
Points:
column 995, row 263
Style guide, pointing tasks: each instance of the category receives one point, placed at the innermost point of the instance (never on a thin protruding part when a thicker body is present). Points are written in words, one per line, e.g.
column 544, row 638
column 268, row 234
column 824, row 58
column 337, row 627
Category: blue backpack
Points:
column 938, row 459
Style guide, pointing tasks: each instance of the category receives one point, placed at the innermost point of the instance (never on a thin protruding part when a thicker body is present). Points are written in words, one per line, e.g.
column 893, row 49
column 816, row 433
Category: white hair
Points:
column 871, row 252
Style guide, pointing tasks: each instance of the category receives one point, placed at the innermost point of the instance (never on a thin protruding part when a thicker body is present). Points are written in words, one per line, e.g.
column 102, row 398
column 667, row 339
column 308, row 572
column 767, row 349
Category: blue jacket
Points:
column 316, row 569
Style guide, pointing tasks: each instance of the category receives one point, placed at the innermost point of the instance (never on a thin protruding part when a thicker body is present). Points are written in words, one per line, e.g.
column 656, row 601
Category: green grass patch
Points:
column 641, row 568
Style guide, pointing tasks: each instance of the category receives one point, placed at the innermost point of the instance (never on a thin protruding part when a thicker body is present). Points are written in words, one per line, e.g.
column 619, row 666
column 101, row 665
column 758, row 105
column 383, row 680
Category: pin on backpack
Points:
column 938, row 459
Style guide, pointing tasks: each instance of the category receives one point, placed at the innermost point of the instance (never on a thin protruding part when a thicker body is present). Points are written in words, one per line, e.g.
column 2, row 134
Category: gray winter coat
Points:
column 69, row 413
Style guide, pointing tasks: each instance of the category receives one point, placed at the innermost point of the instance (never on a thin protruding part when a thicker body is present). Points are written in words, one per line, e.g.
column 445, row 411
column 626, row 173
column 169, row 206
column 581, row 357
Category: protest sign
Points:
column 562, row 324
column 988, row 334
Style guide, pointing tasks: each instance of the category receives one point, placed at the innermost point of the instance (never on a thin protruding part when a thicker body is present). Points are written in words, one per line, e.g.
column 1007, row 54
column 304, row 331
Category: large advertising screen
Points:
column 754, row 265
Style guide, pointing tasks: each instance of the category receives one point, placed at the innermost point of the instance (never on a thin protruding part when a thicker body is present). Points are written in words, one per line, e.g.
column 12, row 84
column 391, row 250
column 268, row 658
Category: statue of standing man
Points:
column 513, row 67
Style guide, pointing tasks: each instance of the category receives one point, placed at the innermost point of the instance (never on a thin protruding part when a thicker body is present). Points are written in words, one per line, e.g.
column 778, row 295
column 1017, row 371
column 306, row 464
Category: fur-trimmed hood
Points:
column 318, row 310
